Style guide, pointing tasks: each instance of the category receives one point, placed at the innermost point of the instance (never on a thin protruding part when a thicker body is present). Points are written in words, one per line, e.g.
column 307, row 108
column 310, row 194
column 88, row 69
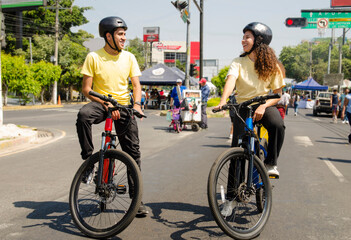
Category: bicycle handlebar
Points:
column 115, row 103
column 259, row 99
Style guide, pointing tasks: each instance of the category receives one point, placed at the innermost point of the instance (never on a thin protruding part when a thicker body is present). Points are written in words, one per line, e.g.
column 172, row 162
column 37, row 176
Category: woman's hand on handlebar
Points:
column 258, row 115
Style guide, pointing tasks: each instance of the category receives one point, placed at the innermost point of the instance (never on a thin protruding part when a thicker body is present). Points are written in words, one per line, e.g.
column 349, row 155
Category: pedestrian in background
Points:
column 282, row 105
column 341, row 103
column 346, row 109
column 296, row 100
column 334, row 104
column 205, row 93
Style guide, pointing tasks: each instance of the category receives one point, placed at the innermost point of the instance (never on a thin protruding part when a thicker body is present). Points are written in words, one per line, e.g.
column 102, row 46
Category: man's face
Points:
column 120, row 38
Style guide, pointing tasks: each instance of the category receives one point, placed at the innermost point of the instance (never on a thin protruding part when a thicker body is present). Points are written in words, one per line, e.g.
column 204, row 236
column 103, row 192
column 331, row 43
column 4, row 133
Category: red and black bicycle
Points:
column 106, row 191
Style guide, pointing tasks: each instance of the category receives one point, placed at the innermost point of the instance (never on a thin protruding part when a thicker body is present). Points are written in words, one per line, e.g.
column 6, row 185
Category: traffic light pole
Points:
column 187, row 67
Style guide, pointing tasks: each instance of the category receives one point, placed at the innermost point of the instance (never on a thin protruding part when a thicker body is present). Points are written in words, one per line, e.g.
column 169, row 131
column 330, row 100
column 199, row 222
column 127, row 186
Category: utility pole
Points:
column 54, row 89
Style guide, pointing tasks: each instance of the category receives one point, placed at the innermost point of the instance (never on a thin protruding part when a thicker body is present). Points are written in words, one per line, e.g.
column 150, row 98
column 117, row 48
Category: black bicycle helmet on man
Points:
column 109, row 25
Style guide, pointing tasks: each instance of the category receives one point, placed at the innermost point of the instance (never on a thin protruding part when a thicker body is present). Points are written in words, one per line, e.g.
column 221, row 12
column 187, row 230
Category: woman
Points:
column 296, row 100
column 255, row 73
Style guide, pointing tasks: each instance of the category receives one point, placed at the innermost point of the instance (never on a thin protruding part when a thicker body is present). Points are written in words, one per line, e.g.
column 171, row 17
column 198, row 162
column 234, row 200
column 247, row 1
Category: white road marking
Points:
column 316, row 119
column 303, row 141
column 334, row 170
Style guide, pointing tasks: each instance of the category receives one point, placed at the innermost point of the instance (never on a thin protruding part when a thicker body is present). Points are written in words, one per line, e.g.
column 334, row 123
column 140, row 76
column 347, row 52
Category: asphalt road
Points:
column 311, row 200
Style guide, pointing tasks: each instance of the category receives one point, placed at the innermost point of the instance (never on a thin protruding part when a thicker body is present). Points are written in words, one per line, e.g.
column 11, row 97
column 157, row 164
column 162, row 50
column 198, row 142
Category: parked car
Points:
column 322, row 103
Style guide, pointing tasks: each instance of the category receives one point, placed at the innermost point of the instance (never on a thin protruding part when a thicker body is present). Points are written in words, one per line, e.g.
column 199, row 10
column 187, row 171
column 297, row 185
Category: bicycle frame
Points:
column 108, row 140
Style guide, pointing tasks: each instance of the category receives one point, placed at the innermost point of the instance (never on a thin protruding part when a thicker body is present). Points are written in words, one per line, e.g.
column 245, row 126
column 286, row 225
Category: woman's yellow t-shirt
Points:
column 111, row 73
column 247, row 83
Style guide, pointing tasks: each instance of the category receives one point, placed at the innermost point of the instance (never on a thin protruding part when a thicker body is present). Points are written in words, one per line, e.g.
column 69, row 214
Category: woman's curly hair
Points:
column 266, row 64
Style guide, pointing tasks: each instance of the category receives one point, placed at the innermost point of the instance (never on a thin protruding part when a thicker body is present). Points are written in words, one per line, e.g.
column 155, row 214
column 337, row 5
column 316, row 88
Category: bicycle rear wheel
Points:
column 227, row 187
column 106, row 212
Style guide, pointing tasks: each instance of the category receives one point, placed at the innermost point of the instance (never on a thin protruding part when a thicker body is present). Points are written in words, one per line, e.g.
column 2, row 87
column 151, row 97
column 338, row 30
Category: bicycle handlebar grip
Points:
column 224, row 107
column 98, row 95
column 138, row 114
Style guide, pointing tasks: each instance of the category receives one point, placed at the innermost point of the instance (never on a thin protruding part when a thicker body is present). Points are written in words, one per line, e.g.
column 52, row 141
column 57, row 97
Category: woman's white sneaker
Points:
column 272, row 170
column 228, row 207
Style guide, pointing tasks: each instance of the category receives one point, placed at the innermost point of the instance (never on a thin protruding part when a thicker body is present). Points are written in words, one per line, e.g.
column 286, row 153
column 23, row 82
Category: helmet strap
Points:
column 114, row 43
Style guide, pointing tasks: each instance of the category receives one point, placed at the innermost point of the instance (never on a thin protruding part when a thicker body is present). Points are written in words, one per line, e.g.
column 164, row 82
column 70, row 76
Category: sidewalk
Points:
column 13, row 137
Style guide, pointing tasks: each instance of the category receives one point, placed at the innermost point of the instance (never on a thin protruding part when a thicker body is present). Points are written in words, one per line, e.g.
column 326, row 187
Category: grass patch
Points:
column 213, row 102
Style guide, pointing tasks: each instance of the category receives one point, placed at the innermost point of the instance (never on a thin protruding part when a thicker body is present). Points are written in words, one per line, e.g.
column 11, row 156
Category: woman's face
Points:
column 248, row 41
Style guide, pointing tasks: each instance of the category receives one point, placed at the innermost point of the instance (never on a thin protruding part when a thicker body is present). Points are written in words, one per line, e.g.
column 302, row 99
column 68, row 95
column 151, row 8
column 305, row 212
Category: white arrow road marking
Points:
column 303, row 141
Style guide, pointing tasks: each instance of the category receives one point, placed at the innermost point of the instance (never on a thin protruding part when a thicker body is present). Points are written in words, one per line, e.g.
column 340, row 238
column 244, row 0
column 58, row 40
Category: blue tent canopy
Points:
column 309, row 84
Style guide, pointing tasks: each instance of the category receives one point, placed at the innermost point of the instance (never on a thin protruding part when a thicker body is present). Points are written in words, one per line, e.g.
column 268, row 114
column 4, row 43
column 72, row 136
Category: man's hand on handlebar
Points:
column 137, row 108
column 115, row 114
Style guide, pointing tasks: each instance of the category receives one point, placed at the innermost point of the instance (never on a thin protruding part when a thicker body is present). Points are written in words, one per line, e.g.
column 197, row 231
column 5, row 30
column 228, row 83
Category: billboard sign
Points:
column 21, row 4
column 151, row 34
column 340, row 3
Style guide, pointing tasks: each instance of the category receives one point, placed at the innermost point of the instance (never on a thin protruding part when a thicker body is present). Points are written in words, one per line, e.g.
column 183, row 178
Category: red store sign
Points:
column 161, row 46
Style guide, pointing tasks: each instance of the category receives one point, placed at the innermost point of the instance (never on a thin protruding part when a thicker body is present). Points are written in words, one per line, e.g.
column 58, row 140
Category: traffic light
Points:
column 296, row 22
column 180, row 5
column 192, row 70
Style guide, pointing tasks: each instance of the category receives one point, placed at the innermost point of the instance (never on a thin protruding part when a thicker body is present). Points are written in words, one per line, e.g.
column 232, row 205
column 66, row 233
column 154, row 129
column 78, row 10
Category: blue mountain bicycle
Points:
column 239, row 190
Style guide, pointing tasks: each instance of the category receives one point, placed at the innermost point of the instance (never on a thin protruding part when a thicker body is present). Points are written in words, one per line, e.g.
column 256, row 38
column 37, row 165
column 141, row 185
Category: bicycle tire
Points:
column 238, row 224
column 262, row 155
column 103, row 215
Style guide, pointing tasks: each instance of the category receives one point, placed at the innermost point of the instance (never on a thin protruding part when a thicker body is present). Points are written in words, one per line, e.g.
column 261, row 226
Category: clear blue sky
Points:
column 223, row 21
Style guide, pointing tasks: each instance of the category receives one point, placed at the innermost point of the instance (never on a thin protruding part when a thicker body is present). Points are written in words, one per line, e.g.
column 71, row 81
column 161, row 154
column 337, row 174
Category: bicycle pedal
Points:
column 274, row 177
column 121, row 189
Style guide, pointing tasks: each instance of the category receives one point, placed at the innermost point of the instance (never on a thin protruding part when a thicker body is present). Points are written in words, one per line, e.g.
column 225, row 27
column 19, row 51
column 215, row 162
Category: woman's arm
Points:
column 262, row 108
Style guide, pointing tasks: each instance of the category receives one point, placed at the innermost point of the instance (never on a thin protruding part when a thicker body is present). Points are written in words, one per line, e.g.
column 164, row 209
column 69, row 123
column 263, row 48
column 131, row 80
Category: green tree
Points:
column 17, row 77
column 136, row 46
column 72, row 79
column 219, row 80
column 45, row 74
column 42, row 21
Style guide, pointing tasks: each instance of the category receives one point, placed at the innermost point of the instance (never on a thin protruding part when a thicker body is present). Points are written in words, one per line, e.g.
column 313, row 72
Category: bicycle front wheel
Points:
column 106, row 211
column 233, row 204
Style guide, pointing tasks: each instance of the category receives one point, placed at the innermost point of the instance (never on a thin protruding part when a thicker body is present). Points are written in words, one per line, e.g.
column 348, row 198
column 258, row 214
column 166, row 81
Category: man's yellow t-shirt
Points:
column 110, row 73
column 248, row 85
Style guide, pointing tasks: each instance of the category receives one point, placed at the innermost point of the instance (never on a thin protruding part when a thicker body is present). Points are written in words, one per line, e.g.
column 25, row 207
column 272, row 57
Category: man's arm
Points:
column 136, row 92
column 86, row 88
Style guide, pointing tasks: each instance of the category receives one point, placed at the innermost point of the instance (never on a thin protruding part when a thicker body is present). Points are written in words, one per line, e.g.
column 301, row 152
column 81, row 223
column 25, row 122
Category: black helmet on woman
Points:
column 260, row 29
column 109, row 25
column 261, row 32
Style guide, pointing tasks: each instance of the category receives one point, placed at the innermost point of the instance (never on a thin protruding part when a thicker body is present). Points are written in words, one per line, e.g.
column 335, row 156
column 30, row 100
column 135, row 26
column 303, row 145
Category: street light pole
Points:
column 54, row 89
column 201, row 37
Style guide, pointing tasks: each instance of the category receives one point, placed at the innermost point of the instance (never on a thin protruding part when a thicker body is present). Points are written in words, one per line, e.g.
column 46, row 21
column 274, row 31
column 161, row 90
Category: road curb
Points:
column 40, row 137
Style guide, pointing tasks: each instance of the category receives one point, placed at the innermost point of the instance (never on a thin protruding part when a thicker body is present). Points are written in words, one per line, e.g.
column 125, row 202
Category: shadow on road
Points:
column 197, row 224
column 336, row 160
column 55, row 215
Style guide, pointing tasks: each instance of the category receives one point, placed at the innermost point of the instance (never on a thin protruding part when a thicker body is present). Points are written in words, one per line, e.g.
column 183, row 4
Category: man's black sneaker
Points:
column 142, row 212
column 88, row 175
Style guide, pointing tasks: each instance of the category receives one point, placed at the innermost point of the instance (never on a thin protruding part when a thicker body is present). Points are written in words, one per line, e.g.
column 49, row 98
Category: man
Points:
column 283, row 103
column 108, row 69
column 205, row 93
column 176, row 94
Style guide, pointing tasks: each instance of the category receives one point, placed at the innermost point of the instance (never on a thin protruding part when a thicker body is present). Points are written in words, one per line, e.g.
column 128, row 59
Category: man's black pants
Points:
column 126, row 129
